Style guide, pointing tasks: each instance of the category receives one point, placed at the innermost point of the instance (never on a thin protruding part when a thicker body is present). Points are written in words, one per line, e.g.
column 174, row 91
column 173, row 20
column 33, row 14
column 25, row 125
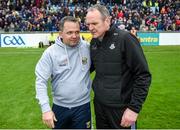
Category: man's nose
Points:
column 74, row 35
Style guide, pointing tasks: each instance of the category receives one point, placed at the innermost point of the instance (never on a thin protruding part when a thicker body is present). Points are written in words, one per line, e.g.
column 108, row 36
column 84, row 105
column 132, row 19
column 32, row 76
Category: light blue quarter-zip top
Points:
column 68, row 69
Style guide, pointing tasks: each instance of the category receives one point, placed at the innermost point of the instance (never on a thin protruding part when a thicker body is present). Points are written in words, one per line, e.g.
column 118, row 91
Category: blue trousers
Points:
column 72, row 118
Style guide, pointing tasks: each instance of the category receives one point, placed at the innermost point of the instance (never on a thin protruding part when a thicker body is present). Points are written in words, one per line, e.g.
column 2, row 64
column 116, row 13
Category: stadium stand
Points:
column 45, row 15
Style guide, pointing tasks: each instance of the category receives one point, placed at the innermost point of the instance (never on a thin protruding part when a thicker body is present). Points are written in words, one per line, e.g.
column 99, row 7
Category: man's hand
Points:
column 49, row 118
column 129, row 117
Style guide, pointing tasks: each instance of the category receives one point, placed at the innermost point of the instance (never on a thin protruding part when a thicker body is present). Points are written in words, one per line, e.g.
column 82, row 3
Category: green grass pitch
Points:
column 19, row 108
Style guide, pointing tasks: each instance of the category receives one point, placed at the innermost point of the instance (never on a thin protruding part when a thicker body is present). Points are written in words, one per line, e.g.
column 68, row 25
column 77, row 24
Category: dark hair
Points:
column 101, row 8
column 68, row 19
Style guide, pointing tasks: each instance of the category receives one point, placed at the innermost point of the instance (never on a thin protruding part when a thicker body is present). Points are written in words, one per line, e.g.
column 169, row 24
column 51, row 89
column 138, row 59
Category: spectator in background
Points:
column 133, row 31
column 51, row 38
column 67, row 62
column 122, row 76
column 46, row 14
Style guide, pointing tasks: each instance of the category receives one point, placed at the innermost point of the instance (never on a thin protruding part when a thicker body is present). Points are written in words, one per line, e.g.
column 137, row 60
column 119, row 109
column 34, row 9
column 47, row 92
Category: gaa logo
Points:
column 13, row 40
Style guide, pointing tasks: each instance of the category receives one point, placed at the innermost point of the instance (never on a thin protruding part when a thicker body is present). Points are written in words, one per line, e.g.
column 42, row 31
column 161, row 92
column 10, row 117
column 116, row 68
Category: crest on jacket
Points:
column 112, row 46
column 84, row 60
column 64, row 62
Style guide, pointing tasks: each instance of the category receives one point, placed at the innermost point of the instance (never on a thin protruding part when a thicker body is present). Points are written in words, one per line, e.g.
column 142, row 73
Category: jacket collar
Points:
column 110, row 31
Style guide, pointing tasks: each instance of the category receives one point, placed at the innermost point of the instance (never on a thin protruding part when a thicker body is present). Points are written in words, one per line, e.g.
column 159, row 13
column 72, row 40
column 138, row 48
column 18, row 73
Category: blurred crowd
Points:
column 45, row 15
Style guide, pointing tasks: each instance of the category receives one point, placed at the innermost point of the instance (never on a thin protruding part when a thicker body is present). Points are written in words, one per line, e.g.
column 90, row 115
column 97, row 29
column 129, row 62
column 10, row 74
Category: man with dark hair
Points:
column 67, row 62
column 122, row 76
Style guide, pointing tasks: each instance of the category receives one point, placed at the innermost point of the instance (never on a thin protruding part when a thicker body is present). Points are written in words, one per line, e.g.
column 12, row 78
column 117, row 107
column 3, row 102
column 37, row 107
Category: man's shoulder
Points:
column 121, row 33
column 51, row 48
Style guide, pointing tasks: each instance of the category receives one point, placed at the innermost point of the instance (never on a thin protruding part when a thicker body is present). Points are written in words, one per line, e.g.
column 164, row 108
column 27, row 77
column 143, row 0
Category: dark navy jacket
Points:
column 122, row 76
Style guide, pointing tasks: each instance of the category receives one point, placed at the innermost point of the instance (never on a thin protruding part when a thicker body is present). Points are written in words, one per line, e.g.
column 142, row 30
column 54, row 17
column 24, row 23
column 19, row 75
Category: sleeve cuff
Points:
column 137, row 110
column 45, row 108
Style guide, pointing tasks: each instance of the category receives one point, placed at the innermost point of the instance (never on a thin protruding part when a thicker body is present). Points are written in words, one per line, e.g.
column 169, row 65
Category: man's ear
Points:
column 108, row 20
